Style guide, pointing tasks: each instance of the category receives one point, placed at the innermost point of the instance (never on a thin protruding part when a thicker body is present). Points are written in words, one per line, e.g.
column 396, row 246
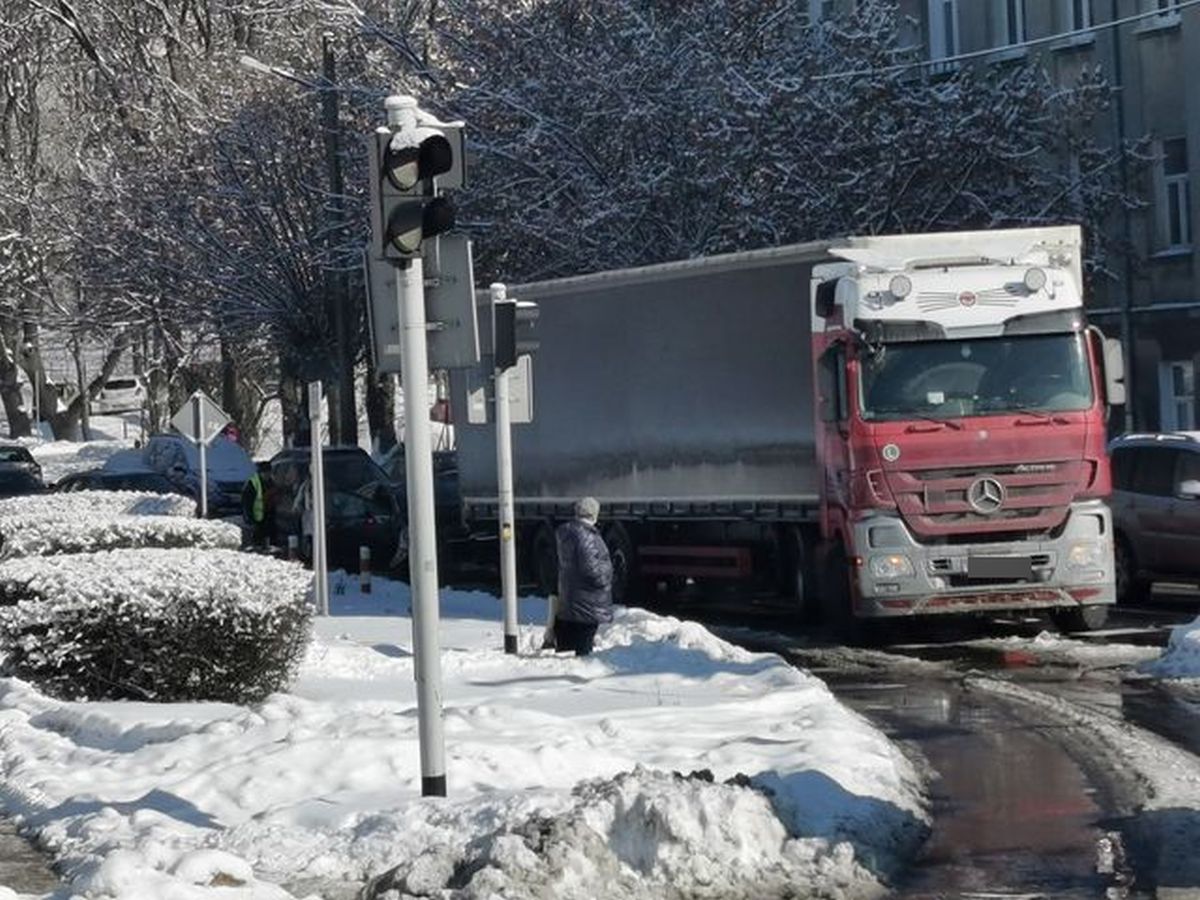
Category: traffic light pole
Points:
column 202, row 445
column 316, row 498
column 504, row 478
column 422, row 537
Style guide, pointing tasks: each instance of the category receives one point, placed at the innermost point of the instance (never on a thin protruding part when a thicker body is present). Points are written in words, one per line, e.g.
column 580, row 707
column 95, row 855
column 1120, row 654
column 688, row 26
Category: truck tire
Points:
column 799, row 581
column 1080, row 618
column 544, row 557
column 837, row 615
column 1131, row 588
column 624, row 562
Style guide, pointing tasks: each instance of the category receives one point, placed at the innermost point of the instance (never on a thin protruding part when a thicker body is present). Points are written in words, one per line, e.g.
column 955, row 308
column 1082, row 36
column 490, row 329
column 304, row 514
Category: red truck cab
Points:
column 961, row 409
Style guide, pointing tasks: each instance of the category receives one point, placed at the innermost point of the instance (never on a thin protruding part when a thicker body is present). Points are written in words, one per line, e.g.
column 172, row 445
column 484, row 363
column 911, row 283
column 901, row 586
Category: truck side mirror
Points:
column 823, row 302
column 1114, row 372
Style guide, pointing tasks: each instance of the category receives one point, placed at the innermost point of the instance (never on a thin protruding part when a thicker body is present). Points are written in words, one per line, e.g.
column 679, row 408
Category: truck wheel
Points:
column 836, row 612
column 1130, row 588
column 801, row 586
column 1080, row 618
column 545, row 560
column 621, row 550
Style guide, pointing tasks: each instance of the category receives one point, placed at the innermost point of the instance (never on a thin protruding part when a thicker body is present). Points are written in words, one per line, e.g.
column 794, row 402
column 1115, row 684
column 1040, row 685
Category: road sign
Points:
column 200, row 419
column 520, row 394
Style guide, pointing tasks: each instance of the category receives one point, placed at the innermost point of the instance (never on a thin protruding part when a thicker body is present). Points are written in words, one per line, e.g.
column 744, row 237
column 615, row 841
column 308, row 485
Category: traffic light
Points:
column 406, row 157
column 513, row 331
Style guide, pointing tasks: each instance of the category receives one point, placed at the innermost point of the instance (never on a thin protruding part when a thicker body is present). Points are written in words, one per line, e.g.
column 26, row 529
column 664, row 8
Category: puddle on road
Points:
column 1014, row 815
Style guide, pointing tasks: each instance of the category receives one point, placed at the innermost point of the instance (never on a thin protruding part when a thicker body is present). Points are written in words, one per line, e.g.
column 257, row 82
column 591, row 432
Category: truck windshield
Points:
column 951, row 379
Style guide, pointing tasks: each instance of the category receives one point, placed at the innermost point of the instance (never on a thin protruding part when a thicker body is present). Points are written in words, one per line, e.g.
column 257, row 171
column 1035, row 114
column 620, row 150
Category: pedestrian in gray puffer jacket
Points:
column 584, row 580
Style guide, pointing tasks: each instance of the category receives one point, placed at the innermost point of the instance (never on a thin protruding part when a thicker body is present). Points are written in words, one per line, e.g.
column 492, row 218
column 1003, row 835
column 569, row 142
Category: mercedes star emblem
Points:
column 986, row 495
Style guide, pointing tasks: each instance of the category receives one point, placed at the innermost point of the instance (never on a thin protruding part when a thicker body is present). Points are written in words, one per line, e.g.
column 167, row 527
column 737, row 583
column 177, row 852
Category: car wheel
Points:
column 1131, row 588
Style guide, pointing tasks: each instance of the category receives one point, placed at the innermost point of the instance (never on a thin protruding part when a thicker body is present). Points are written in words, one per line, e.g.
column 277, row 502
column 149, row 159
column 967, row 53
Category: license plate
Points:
column 1011, row 568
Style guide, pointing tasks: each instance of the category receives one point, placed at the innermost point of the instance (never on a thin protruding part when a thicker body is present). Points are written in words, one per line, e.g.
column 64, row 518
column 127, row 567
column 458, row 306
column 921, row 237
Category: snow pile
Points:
column 1054, row 649
column 1181, row 657
column 559, row 771
column 639, row 834
column 78, row 504
column 160, row 625
column 41, row 535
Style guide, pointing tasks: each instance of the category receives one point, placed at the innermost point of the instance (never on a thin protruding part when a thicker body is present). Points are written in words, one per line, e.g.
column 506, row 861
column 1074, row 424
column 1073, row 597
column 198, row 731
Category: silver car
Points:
column 1156, row 510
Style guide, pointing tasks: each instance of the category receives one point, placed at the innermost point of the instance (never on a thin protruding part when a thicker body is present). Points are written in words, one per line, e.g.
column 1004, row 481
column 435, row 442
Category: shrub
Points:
column 39, row 535
column 161, row 625
column 138, row 503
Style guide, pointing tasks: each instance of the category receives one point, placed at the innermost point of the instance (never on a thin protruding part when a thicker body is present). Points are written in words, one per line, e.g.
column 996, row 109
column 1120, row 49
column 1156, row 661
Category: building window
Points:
column 1162, row 6
column 1007, row 20
column 821, row 9
column 1174, row 195
column 943, row 28
column 1177, row 395
column 1074, row 15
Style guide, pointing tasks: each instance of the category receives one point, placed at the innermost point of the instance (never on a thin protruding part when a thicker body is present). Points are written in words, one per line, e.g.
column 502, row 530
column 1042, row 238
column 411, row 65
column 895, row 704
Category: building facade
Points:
column 1149, row 51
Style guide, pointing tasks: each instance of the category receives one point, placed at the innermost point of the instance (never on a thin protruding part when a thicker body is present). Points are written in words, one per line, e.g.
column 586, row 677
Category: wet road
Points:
column 1013, row 812
column 1019, row 808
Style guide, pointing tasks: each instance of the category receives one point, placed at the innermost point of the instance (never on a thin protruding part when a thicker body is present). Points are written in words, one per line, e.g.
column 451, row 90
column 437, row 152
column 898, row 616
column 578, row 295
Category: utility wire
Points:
column 1170, row 13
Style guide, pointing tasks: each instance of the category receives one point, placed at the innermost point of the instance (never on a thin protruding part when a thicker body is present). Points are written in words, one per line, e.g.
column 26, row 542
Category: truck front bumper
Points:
column 897, row 576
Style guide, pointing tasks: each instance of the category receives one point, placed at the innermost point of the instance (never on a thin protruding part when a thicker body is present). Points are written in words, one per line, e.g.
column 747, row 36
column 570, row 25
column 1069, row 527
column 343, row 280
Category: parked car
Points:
column 362, row 508
column 1156, row 510
column 123, row 394
column 100, row 480
column 445, row 483
column 172, row 455
column 19, row 471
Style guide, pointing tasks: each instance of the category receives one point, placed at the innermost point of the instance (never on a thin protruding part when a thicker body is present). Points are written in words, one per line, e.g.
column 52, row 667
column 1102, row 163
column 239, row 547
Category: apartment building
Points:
column 1149, row 50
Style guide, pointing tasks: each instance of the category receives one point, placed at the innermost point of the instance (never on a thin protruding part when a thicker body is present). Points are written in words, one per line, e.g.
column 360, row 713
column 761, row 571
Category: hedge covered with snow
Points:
column 91, row 503
column 161, row 625
column 41, row 535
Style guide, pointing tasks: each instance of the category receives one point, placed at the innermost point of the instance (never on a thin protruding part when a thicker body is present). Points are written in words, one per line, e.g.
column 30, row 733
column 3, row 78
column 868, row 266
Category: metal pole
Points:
column 422, row 547
column 198, row 431
column 316, row 481
column 1128, row 339
column 504, row 478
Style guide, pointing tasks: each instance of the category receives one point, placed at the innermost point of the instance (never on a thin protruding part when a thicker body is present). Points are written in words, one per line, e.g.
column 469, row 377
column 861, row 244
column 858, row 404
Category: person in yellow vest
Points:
column 256, row 506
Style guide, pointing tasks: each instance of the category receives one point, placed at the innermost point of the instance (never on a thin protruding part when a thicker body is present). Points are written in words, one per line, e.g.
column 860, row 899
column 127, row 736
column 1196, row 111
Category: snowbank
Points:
column 39, row 535
column 559, row 772
column 78, row 504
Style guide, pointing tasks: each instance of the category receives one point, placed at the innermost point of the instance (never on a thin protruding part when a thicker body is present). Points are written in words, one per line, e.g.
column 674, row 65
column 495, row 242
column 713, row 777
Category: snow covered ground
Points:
column 561, row 772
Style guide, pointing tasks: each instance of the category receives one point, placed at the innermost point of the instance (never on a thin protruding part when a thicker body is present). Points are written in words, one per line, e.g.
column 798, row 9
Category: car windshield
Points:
column 15, row 455
column 949, row 379
column 350, row 472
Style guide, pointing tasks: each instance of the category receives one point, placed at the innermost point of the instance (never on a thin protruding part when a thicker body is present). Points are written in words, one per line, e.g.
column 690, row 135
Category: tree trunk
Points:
column 381, row 409
column 78, row 411
column 10, row 389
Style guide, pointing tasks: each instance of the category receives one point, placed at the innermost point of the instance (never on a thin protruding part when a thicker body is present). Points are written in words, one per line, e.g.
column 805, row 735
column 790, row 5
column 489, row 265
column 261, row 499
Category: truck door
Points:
column 834, row 412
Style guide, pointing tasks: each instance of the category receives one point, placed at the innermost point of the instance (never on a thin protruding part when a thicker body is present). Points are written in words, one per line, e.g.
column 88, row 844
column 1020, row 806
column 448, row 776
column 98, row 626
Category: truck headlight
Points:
column 1088, row 555
column 892, row 566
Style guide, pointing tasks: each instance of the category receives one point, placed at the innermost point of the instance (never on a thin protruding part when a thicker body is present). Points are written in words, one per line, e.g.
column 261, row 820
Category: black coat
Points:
column 584, row 574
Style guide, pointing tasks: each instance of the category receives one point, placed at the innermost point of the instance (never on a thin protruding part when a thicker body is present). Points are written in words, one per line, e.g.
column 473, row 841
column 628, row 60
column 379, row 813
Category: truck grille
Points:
column 1037, row 496
column 935, row 301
